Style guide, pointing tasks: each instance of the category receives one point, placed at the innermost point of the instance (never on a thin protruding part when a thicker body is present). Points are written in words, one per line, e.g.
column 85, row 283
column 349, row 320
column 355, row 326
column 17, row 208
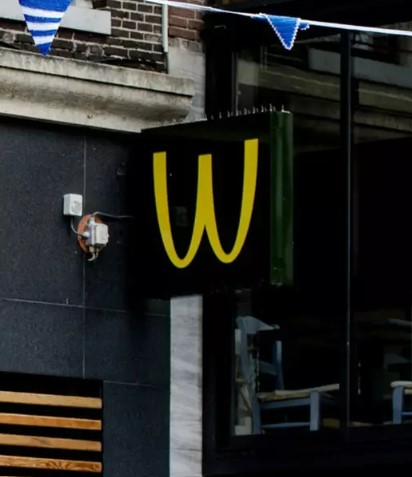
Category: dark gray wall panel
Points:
column 128, row 347
column 41, row 339
column 63, row 316
column 136, row 420
column 108, row 282
column 37, row 167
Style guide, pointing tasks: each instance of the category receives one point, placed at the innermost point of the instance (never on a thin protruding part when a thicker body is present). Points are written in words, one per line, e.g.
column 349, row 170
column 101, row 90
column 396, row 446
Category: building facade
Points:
column 283, row 349
column 69, row 123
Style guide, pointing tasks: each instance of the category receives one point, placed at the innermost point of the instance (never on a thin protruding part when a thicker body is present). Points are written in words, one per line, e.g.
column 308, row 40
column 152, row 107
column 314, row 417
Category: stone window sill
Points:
column 81, row 93
column 76, row 18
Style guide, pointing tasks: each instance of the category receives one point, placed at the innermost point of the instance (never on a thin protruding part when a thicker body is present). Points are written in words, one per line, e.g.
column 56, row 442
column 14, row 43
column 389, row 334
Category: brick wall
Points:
column 136, row 39
column 186, row 24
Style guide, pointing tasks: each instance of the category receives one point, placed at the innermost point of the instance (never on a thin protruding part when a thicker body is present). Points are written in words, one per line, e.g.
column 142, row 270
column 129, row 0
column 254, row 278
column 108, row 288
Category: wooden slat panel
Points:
column 50, row 400
column 46, row 421
column 49, row 464
column 49, row 442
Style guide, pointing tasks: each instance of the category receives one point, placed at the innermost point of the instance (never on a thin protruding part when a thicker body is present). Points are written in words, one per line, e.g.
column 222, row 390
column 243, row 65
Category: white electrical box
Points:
column 73, row 205
column 98, row 234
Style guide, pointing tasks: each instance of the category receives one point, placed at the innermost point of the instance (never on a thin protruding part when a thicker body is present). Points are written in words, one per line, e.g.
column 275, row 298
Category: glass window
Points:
column 381, row 364
column 283, row 380
column 291, row 345
column 288, row 339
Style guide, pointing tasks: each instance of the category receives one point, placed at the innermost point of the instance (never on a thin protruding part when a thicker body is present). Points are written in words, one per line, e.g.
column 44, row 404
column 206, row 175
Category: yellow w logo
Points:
column 205, row 217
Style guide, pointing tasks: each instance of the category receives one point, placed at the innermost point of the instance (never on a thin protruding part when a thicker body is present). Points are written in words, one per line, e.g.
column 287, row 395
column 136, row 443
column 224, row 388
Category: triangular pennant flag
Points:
column 43, row 19
column 286, row 28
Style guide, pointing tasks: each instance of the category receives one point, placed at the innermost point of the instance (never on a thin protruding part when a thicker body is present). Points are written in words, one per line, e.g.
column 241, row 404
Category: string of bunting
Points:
column 43, row 18
column 286, row 28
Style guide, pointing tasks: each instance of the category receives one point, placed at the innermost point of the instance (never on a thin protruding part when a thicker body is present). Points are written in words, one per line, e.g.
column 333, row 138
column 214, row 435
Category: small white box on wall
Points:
column 73, row 205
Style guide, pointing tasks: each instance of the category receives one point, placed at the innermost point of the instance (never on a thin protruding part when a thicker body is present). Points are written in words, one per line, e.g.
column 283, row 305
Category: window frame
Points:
column 76, row 18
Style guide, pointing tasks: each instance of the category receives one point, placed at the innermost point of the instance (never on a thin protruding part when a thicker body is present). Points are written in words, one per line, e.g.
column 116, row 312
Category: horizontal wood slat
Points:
column 50, row 433
column 50, row 442
column 47, row 421
column 49, row 464
column 50, row 400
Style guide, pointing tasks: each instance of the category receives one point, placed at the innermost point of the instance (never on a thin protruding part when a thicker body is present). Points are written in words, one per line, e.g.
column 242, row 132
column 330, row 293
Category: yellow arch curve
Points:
column 205, row 216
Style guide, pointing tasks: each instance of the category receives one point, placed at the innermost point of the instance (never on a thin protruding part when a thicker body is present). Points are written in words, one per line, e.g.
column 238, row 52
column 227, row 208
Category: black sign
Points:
column 214, row 204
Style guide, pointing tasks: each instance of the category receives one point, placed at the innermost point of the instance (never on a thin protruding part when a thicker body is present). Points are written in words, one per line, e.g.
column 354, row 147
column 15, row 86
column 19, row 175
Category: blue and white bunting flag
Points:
column 286, row 28
column 43, row 18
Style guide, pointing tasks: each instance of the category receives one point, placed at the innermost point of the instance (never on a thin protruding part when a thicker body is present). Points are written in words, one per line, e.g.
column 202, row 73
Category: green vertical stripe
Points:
column 281, row 199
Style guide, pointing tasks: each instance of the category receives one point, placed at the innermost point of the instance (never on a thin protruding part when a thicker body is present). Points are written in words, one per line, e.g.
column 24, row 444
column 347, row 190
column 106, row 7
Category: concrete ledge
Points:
column 87, row 94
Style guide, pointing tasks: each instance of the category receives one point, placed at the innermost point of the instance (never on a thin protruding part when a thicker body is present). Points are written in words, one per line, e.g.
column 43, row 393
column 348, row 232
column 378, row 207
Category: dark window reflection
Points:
column 381, row 373
column 382, row 309
column 282, row 378
column 289, row 341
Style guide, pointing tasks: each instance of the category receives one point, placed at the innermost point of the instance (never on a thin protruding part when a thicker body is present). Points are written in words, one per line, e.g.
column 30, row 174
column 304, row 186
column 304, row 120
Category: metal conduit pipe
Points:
column 165, row 34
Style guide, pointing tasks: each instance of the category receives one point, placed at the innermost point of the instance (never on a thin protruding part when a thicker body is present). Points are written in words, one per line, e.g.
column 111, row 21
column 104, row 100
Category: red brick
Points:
column 180, row 12
column 183, row 33
column 120, row 14
column 11, row 25
column 153, row 18
column 129, row 25
column 131, row 44
column 115, row 41
column 195, row 24
column 129, row 6
column 145, row 27
column 179, row 22
column 112, row 51
column 138, row 17
column 79, row 55
column 23, row 38
column 88, row 37
column 63, row 44
column 120, row 33
column 145, row 8
column 66, row 34
column 81, row 48
column 136, row 35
